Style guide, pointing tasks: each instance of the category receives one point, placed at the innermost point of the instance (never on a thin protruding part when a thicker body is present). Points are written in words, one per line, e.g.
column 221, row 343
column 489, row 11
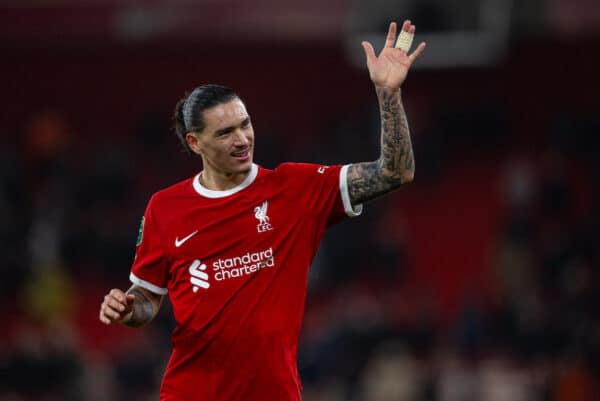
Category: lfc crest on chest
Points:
column 261, row 214
column 215, row 231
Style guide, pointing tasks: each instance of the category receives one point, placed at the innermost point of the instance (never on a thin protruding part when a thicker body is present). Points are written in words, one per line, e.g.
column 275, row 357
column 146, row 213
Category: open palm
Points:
column 391, row 67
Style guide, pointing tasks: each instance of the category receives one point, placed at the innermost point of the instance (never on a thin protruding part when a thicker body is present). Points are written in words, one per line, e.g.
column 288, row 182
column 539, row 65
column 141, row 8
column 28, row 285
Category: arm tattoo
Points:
column 143, row 310
column 395, row 165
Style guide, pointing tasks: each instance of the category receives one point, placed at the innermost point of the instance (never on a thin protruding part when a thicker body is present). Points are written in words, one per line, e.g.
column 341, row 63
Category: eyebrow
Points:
column 232, row 127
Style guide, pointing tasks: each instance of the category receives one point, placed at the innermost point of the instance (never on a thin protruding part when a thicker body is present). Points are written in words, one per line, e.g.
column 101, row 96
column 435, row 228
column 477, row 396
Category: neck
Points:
column 220, row 181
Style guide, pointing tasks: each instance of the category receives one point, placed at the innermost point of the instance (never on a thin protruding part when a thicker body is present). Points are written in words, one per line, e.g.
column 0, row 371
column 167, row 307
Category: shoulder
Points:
column 176, row 191
column 307, row 170
column 298, row 169
column 303, row 176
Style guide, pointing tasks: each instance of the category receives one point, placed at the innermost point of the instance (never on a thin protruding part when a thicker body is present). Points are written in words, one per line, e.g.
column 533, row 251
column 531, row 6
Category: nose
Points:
column 240, row 139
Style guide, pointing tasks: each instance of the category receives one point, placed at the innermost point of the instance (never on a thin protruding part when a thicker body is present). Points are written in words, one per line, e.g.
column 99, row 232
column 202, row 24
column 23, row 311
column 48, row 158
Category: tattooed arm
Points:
column 395, row 165
column 133, row 308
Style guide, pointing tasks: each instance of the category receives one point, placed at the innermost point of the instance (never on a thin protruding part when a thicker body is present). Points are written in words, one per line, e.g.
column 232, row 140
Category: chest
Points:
column 207, row 230
column 214, row 251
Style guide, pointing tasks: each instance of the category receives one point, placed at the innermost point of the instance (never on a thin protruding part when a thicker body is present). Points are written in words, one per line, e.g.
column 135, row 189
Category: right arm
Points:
column 134, row 308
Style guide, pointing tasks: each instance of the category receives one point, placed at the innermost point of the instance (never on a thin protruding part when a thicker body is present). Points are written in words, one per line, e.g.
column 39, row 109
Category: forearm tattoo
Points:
column 143, row 310
column 395, row 165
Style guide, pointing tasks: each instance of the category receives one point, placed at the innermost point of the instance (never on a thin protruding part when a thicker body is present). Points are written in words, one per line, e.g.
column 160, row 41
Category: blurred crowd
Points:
column 70, row 204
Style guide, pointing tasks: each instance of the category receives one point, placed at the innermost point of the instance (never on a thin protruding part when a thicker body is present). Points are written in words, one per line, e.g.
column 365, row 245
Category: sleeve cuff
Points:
column 350, row 210
column 147, row 285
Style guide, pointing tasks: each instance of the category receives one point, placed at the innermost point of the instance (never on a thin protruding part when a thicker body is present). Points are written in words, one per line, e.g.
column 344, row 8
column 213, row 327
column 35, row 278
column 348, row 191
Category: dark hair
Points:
column 189, row 115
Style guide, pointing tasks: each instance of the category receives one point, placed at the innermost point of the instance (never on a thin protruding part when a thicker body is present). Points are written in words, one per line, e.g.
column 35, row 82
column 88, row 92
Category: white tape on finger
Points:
column 404, row 41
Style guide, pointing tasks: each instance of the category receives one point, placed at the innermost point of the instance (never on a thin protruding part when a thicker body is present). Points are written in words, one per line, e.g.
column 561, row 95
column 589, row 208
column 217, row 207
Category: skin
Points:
column 134, row 308
column 226, row 146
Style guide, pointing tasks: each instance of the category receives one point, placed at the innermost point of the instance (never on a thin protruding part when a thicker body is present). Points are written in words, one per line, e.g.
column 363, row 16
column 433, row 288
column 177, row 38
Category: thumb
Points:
column 130, row 298
column 369, row 52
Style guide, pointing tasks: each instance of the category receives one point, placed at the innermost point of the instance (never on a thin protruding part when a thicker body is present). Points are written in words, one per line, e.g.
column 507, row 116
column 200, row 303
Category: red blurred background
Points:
column 476, row 282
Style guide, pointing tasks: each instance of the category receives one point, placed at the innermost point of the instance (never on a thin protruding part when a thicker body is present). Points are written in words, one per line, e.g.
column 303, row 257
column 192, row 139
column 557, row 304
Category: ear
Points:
column 194, row 142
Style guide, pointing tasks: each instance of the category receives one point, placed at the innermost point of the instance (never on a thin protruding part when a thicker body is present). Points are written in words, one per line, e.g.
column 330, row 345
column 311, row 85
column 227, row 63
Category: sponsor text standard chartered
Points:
column 246, row 264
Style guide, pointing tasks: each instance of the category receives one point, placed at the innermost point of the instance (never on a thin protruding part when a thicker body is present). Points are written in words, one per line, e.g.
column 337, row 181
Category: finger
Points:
column 412, row 29
column 404, row 41
column 417, row 52
column 111, row 300
column 118, row 294
column 406, row 25
column 369, row 52
column 107, row 313
column 391, row 36
column 104, row 319
column 110, row 313
column 116, row 305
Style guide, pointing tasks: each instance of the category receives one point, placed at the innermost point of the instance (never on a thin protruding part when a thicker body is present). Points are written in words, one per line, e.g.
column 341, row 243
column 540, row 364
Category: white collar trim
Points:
column 209, row 193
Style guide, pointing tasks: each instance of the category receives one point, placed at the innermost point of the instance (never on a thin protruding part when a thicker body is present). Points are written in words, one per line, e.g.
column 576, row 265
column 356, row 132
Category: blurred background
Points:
column 480, row 281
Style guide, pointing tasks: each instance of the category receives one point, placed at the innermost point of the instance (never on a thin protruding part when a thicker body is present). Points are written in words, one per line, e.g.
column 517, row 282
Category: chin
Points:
column 244, row 167
column 247, row 166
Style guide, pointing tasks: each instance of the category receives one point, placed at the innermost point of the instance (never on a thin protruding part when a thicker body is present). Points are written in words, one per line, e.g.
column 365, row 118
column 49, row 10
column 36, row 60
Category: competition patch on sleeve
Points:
column 140, row 233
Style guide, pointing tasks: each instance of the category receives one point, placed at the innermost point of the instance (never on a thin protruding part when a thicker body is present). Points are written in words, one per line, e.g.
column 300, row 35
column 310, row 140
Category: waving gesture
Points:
column 391, row 67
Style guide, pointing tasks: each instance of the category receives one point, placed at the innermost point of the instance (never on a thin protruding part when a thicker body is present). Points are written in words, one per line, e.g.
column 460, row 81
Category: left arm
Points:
column 395, row 165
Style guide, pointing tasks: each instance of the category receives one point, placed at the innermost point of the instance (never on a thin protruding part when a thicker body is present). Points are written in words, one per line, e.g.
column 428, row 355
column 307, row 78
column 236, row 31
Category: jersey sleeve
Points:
column 323, row 190
column 150, row 268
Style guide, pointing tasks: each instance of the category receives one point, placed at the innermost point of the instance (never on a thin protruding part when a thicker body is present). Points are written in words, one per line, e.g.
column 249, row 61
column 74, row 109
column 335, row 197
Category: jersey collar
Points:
column 209, row 193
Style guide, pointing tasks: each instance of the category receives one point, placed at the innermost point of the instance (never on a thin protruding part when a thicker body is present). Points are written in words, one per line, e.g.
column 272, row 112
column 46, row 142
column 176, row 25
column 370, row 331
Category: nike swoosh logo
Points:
column 179, row 242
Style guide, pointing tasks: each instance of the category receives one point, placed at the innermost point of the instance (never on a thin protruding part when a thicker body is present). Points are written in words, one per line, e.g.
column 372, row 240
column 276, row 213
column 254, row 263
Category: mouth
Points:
column 241, row 155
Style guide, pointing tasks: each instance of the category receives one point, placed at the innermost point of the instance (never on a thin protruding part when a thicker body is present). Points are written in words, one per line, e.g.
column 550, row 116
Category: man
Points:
column 232, row 246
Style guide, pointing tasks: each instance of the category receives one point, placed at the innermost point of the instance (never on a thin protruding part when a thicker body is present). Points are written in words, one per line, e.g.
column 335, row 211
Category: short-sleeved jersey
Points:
column 235, row 265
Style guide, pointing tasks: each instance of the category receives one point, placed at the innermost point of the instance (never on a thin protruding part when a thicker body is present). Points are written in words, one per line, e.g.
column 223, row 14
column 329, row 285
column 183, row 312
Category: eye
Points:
column 224, row 133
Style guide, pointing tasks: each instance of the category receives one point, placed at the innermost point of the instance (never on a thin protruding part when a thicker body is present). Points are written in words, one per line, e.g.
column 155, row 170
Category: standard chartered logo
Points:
column 199, row 278
column 230, row 268
column 243, row 265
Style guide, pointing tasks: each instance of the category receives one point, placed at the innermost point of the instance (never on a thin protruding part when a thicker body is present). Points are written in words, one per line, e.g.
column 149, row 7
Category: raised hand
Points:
column 390, row 68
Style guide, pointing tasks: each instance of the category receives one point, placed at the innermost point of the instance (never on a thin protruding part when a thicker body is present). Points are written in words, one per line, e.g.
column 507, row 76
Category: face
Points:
column 227, row 142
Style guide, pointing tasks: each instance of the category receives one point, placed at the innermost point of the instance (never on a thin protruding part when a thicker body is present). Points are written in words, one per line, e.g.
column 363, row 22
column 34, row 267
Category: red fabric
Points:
column 237, row 331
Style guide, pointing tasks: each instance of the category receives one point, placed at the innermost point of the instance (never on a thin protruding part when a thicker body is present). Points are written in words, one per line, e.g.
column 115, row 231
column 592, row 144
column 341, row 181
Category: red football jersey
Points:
column 235, row 265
